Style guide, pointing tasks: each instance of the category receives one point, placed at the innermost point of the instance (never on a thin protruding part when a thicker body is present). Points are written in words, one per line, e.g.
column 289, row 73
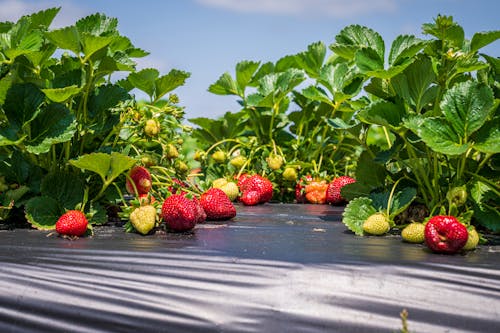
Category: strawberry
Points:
column 261, row 185
column 274, row 161
column 333, row 195
column 376, row 224
column 230, row 188
column 201, row 216
column 316, row 192
column 146, row 199
column 250, row 198
column 300, row 189
column 238, row 161
column 290, row 174
column 143, row 219
column 445, row 234
column 72, row 223
column 171, row 152
column 472, row 240
column 141, row 178
column 219, row 156
column 152, row 127
column 241, row 179
column 414, row 233
column 217, row 205
column 180, row 213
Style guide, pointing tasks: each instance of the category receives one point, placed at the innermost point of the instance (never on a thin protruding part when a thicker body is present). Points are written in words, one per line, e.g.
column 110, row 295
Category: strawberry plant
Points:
column 61, row 113
column 440, row 109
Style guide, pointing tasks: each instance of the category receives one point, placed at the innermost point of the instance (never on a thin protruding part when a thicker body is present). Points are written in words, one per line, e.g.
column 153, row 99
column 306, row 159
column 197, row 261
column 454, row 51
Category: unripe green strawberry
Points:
column 219, row 156
column 274, row 161
column 231, row 190
column 290, row 174
column 472, row 240
column 238, row 161
column 172, row 151
column 181, row 167
column 3, row 184
column 414, row 233
column 457, row 195
column 198, row 155
column 376, row 224
column 143, row 219
column 219, row 182
column 152, row 127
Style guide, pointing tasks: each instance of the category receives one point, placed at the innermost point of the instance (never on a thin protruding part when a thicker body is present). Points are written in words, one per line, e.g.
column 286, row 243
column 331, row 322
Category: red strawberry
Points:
column 444, row 234
column 201, row 216
column 217, row 205
column 141, row 178
column 242, row 179
column 333, row 195
column 300, row 194
column 72, row 223
column 261, row 185
column 250, row 198
column 180, row 213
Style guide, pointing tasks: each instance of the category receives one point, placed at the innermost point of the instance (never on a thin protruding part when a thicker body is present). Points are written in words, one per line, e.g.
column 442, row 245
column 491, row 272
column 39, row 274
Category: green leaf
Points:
column 437, row 134
column 29, row 43
column 244, row 73
column 354, row 37
column 43, row 18
column 166, row 83
column 22, row 104
column 415, row 85
column 355, row 214
column 66, row 38
column 43, row 212
column 487, row 138
column 383, row 113
column 403, row 48
column 481, row 39
column 107, row 166
column 93, row 44
column 315, row 94
column 54, row 124
column 368, row 60
column 65, row 187
column 225, row 85
column 466, row 106
column 60, row 95
column 5, row 84
column 98, row 25
column 486, row 205
column 144, row 80
column 312, row 60
column 446, row 30
column 400, row 201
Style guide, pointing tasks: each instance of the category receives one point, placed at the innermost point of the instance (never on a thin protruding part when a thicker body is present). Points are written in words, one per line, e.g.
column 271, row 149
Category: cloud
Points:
column 70, row 12
column 328, row 8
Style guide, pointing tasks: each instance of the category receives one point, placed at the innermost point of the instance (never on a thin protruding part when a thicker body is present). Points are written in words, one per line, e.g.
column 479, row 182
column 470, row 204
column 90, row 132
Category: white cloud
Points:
column 70, row 12
column 328, row 8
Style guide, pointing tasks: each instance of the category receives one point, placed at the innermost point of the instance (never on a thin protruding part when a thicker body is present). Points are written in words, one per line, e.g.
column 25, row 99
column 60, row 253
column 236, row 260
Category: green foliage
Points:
column 425, row 117
column 57, row 112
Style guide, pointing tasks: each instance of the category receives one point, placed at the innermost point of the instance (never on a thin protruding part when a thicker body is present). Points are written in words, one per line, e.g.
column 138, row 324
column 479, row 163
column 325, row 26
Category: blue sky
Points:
column 208, row 37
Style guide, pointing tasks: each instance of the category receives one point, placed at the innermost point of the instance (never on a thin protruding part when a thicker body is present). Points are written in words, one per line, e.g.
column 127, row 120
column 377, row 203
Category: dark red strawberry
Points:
column 333, row 195
column 300, row 189
column 179, row 213
column 250, row 198
column 201, row 215
column 141, row 178
column 261, row 185
column 72, row 223
column 217, row 205
column 445, row 234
